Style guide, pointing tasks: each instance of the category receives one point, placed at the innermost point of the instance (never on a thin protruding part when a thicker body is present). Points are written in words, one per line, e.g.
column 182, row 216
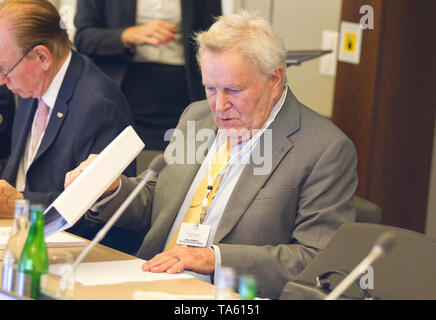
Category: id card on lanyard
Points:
column 192, row 234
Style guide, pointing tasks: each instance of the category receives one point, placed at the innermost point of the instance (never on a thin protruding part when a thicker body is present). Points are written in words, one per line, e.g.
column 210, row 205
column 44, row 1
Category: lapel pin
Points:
column 60, row 115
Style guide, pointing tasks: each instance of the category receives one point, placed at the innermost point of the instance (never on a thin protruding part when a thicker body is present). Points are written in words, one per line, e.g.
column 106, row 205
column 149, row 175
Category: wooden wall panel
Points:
column 387, row 106
column 354, row 98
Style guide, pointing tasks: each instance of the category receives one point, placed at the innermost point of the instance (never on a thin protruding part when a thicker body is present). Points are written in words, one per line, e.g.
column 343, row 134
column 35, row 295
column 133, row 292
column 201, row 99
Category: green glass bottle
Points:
column 33, row 264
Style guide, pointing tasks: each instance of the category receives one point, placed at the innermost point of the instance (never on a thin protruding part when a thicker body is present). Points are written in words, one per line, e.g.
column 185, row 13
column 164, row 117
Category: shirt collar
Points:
column 278, row 106
column 52, row 92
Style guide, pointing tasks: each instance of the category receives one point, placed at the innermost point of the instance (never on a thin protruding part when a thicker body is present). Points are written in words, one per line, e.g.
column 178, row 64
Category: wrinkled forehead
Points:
column 7, row 39
column 9, row 51
column 232, row 61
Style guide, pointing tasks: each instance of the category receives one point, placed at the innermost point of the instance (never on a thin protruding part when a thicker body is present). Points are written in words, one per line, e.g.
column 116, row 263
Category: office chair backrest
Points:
column 144, row 159
column 408, row 271
column 366, row 211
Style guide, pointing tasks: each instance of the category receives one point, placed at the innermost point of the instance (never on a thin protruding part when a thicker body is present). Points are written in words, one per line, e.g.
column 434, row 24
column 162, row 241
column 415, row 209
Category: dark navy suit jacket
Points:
column 100, row 24
column 90, row 111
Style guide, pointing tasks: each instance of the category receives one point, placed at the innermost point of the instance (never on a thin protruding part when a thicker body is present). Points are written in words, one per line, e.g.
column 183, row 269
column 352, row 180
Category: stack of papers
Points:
column 56, row 240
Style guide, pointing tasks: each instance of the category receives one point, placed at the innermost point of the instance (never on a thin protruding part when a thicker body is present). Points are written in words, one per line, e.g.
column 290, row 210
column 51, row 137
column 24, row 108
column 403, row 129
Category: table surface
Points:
column 124, row 291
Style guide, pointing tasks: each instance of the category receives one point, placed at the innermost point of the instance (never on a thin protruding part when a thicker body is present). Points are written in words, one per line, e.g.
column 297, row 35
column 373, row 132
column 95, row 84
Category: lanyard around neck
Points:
column 248, row 146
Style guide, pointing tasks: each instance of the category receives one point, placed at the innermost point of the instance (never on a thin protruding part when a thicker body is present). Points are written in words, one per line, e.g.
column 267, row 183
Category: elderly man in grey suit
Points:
column 266, row 218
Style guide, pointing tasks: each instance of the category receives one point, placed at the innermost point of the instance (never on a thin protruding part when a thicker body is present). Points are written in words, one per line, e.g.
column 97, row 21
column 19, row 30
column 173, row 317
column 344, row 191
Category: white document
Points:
column 64, row 240
column 94, row 180
column 112, row 272
column 58, row 240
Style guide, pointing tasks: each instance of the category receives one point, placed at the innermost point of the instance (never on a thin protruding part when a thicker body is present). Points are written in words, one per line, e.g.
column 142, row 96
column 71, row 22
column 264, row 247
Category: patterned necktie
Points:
column 195, row 209
column 40, row 125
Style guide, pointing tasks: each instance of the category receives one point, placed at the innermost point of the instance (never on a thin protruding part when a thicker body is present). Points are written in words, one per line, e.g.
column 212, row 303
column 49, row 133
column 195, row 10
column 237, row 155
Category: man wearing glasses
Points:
column 67, row 107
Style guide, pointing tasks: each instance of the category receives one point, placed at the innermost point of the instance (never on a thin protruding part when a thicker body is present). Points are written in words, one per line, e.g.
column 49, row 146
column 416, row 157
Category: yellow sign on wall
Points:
column 350, row 42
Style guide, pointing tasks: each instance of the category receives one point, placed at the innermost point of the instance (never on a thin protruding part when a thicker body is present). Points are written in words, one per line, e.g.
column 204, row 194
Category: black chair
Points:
column 367, row 211
column 406, row 272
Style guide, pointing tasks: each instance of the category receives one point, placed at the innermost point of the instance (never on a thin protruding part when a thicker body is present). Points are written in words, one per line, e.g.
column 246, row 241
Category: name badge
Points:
column 195, row 235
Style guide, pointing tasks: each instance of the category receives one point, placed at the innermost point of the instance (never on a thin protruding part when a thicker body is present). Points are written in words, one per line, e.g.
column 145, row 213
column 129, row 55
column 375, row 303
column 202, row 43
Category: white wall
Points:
column 300, row 23
column 67, row 9
column 228, row 6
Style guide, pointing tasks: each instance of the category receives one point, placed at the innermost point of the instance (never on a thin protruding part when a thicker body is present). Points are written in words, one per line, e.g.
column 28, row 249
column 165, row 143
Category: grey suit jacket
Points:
column 273, row 224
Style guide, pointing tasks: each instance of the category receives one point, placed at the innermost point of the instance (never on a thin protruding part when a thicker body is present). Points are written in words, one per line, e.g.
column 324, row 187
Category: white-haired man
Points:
column 271, row 224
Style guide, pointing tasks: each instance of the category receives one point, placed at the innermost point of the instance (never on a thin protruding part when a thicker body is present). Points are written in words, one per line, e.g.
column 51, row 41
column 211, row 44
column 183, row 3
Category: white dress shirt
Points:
column 169, row 52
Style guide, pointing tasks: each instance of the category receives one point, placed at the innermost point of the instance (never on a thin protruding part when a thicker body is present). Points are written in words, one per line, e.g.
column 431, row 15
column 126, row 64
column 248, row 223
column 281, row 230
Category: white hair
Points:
column 248, row 33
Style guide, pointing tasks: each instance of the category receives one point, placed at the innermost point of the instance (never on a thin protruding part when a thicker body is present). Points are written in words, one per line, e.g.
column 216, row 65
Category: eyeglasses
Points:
column 18, row 62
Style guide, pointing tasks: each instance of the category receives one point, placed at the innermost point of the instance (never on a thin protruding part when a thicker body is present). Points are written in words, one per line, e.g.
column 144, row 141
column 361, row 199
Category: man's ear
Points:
column 278, row 76
column 44, row 56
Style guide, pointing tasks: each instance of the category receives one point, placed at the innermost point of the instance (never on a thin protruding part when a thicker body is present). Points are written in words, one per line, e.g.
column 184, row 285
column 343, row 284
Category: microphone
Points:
column 155, row 167
column 382, row 245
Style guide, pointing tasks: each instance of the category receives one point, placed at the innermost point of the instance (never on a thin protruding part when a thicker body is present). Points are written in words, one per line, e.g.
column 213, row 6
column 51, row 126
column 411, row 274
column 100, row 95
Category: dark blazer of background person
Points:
column 7, row 111
column 100, row 25
column 89, row 113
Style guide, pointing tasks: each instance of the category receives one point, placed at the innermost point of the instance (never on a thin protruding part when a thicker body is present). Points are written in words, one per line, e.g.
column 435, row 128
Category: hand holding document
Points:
column 72, row 175
column 84, row 191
